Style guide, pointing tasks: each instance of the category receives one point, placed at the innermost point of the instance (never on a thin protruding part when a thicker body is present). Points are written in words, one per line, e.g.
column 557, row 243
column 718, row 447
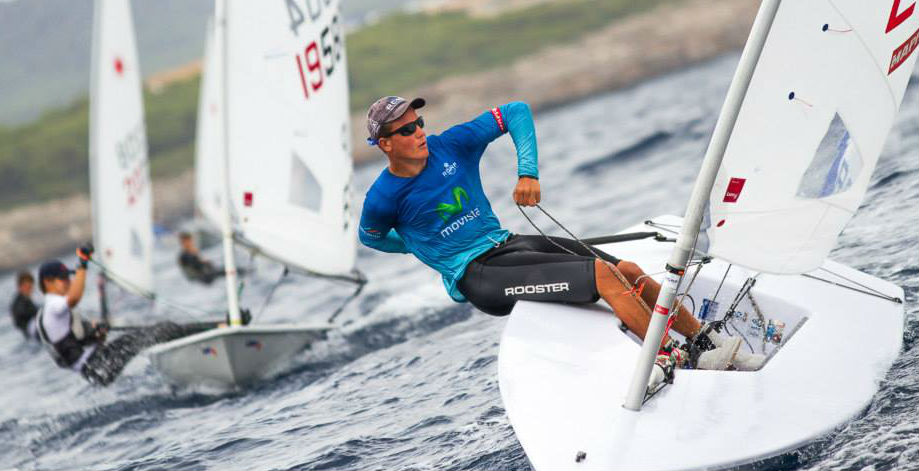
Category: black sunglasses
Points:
column 408, row 129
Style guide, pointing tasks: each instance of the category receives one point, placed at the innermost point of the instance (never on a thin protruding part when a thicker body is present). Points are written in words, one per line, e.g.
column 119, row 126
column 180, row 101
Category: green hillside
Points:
column 48, row 157
column 408, row 50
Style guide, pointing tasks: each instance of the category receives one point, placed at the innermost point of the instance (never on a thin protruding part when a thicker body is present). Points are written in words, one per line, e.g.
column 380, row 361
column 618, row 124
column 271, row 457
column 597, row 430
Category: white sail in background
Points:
column 288, row 137
column 813, row 123
column 209, row 158
column 119, row 170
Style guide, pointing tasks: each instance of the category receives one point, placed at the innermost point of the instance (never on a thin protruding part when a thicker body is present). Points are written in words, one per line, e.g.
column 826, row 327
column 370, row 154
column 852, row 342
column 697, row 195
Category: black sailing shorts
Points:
column 534, row 269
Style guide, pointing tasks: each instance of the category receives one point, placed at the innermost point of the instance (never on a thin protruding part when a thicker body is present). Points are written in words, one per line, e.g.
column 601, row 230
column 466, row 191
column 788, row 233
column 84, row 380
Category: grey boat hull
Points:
column 232, row 356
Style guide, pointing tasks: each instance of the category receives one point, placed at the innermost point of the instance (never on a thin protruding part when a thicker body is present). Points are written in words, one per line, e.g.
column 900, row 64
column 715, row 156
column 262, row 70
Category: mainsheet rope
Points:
column 635, row 292
column 590, row 249
column 183, row 308
column 274, row 287
column 355, row 294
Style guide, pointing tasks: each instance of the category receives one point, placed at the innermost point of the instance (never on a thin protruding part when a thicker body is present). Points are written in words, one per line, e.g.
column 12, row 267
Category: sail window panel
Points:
column 137, row 250
column 836, row 165
column 305, row 190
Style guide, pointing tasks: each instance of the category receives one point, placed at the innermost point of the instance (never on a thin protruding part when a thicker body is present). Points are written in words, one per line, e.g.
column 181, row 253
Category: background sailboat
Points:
column 288, row 135
column 286, row 173
column 122, row 202
column 811, row 104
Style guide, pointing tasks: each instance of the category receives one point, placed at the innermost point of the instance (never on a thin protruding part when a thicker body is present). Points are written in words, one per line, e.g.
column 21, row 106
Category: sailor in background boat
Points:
column 193, row 266
column 429, row 202
column 23, row 308
column 80, row 345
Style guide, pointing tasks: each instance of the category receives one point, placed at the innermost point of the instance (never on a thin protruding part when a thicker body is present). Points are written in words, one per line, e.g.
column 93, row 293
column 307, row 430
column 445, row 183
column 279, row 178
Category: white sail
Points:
column 209, row 158
column 822, row 99
column 289, row 150
column 119, row 170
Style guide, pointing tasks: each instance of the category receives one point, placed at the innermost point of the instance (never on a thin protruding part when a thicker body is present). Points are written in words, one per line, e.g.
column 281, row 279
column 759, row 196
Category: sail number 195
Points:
column 319, row 59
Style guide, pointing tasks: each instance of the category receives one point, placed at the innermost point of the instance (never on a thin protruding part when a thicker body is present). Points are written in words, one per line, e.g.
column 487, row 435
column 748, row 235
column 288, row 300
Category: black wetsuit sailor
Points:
column 193, row 266
column 79, row 345
column 429, row 201
column 23, row 309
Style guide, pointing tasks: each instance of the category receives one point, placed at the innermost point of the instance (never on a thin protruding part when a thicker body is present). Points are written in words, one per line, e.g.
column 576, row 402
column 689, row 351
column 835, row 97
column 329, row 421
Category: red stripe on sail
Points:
column 903, row 52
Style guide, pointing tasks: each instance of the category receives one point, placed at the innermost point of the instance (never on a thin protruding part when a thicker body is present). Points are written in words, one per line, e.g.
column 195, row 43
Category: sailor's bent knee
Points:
column 630, row 270
column 603, row 271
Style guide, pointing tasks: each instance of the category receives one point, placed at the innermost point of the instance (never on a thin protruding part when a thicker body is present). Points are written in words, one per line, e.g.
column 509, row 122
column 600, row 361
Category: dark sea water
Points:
column 409, row 380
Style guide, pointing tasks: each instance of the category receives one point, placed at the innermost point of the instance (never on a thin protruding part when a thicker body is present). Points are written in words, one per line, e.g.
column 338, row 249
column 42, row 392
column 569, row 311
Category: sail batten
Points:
column 119, row 168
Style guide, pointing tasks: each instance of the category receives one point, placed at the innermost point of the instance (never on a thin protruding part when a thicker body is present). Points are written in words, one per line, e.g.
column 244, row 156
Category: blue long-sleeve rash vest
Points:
column 442, row 215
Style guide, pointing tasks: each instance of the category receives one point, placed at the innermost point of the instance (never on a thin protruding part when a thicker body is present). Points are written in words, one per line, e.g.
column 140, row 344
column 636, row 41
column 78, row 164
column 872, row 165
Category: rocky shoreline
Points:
column 667, row 38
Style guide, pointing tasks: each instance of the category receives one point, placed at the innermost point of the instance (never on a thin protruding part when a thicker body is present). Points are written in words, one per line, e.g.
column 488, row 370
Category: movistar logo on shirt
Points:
column 449, row 210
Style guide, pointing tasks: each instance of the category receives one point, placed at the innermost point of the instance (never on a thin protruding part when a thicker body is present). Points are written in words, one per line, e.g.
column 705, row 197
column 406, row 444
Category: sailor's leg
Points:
column 625, row 301
column 717, row 351
column 685, row 323
column 107, row 362
column 209, row 273
column 167, row 331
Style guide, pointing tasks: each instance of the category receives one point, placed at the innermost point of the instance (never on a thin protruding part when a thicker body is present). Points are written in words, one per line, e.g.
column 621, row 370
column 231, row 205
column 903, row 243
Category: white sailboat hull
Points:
column 564, row 371
column 232, row 356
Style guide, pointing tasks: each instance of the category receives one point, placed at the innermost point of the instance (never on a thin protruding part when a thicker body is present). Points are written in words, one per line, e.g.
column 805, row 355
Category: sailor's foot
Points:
column 743, row 360
column 721, row 357
column 746, row 361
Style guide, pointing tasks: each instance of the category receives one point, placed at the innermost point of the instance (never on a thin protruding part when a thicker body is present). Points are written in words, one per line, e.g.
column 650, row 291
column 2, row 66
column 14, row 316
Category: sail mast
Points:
column 94, row 144
column 703, row 187
column 220, row 14
column 94, row 108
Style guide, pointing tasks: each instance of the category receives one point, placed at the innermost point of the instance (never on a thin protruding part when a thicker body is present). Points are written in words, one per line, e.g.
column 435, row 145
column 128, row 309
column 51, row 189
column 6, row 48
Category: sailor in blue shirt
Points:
column 429, row 202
